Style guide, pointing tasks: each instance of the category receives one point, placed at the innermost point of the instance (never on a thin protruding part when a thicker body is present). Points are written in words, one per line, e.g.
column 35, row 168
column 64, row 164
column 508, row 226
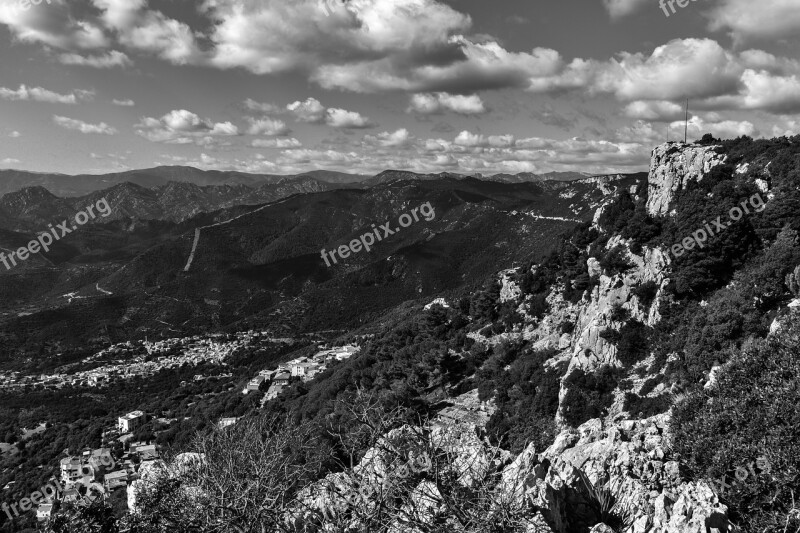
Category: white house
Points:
column 131, row 422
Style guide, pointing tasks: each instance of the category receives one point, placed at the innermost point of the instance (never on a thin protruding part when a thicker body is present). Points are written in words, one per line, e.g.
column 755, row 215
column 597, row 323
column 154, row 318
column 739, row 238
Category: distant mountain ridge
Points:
column 262, row 265
column 63, row 185
column 32, row 208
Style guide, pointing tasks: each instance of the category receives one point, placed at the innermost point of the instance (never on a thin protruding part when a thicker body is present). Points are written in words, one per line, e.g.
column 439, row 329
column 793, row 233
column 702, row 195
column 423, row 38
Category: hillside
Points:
column 260, row 265
column 600, row 370
column 601, row 355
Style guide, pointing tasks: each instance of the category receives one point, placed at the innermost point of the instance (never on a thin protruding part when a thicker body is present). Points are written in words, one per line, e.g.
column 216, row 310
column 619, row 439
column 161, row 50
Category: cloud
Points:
column 312, row 111
column 109, row 60
column 184, row 127
column 150, row 31
column 276, row 143
column 724, row 129
column 272, row 36
column 252, row 105
column 762, row 20
column 436, row 103
column 9, row 161
column 341, row 118
column 659, row 110
column 777, row 94
column 122, row 23
column 39, row 94
column 123, row 103
column 15, row 134
column 267, row 126
column 468, row 139
column 682, row 68
column 397, row 139
column 84, row 127
column 621, row 8
column 472, row 66
column 550, row 117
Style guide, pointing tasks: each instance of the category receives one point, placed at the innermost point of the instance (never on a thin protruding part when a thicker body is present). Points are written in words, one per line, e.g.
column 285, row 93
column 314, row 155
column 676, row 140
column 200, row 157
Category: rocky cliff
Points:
column 672, row 166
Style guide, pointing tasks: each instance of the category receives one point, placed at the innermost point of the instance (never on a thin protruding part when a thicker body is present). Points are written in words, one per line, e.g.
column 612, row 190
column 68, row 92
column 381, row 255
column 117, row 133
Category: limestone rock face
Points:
column 508, row 289
column 590, row 350
column 672, row 166
column 151, row 471
column 629, row 458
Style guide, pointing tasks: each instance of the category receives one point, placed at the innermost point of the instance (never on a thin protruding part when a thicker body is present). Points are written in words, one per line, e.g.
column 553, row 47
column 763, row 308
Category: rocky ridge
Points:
column 672, row 166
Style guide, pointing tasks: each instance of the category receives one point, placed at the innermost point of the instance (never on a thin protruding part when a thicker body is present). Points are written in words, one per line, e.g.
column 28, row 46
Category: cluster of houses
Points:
column 304, row 368
column 96, row 473
column 136, row 359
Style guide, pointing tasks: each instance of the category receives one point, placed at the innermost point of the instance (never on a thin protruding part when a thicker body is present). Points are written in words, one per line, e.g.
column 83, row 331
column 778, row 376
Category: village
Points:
column 305, row 368
column 96, row 473
column 93, row 473
column 142, row 359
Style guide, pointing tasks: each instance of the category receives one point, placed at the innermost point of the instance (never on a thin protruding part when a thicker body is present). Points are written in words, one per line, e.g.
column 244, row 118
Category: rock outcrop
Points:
column 672, row 166
column 556, row 490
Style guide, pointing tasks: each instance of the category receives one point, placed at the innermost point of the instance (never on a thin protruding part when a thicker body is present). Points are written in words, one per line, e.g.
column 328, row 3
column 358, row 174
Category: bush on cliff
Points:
column 749, row 425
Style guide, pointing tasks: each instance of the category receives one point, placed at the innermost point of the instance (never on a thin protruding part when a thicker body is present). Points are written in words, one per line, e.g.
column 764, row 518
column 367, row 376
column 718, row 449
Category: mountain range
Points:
column 78, row 185
column 124, row 275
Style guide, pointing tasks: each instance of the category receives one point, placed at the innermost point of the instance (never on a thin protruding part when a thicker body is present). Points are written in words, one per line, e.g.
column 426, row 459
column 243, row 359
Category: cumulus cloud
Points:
column 312, row 111
column 474, row 152
column 9, row 161
column 109, row 60
column 148, row 30
column 183, row 127
column 15, row 134
column 621, row 8
column 341, row 118
column 682, row 68
column 267, row 126
column 466, row 138
column 475, row 66
column 724, row 129
column 778, row 94
column 435, row 103
column 397, row 139
column 765, row 19
column 272, row 36
column 419, row 46
column 276, row 143
column 123, row 103
column 39, row 94
column 252, row 105
column 84, row 127
column 658, row 110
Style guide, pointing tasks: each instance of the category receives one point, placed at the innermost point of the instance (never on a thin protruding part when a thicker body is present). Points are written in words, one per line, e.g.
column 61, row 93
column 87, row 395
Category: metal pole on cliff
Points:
column 686, row 124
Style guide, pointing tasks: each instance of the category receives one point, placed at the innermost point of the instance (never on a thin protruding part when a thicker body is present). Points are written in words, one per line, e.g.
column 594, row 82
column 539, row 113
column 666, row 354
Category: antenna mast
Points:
column 686, row 124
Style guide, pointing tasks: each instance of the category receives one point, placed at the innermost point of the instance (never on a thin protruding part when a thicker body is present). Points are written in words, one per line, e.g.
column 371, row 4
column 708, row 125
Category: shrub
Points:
column 646, row 292
column 615, row 261
column 650, row 384
column 751, row 413
column 619, row 313
column 611, row 335
column 566, row 327
column 633, row 343
column 589, row 395
column 644, row 407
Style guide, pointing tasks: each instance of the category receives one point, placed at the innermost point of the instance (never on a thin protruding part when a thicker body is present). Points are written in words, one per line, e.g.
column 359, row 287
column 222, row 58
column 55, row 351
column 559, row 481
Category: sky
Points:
column 467, row 86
